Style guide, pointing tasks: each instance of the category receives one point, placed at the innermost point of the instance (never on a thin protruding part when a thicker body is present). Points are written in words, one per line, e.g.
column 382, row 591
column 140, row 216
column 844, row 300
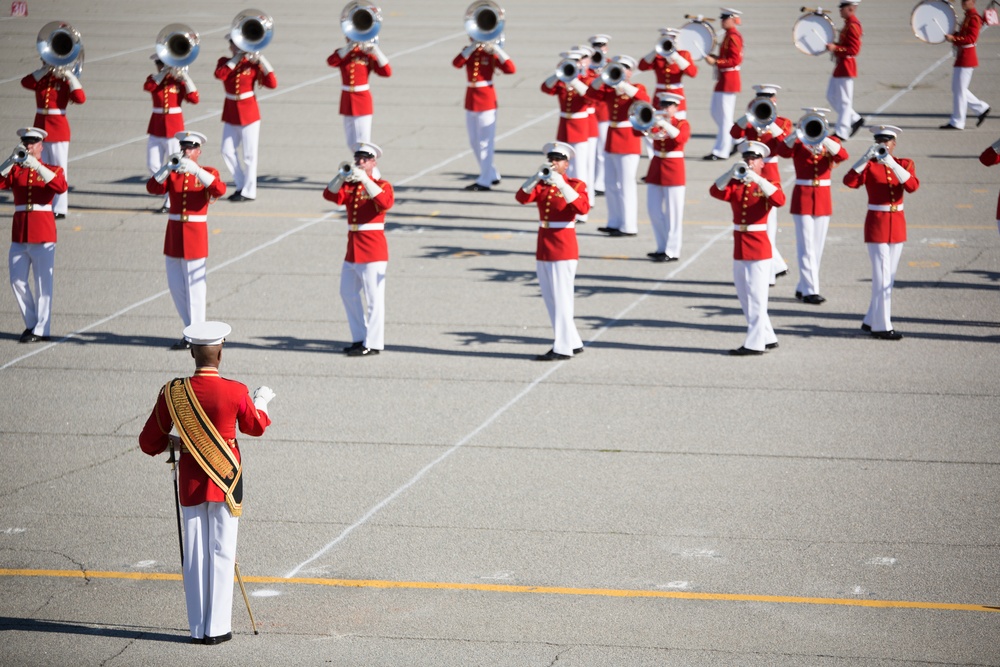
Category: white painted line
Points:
column 920, row 77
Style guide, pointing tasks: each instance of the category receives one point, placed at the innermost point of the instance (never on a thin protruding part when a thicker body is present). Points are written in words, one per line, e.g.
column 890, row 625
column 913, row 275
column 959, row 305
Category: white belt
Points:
column 671, row 86
column 967, row 46
column 367, row 227
column 241, row 96
column 184, row 217
column 50, row 112
column 32, row 207
column 356, row 89
column 666, row 154
column 885, row 208
column 480, row 84
column 730, row 69
column 623, row 123
column 816, row 182
column 574, row 116
column 171, row 110
column 545, row 224
column 750, row 228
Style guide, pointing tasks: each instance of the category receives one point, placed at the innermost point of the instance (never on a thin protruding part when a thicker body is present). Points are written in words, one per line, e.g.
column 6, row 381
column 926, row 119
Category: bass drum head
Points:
column 696, row 37
column 812, row 32
column 932, row 20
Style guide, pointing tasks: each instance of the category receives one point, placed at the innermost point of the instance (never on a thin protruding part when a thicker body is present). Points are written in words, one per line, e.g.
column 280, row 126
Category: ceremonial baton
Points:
column 177, row 499
column 239, row 578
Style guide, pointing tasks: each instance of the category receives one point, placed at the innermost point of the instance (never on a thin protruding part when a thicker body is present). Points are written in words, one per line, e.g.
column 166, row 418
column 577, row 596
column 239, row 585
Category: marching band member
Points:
column 560, row 201
column 811, row 203
column 191, row 188
column 670, row 70
column 169, row 89
column 366, row 198
column 727, row 71
column 751, row 195
column 772, row 135
column 602, row 114
column 356, row 63
column 593, row 126
column 575, row 119
column 990, row 157
column 241, row 116
column 840, row 90
column 886, row 178
column 966, row 60
column 33, row 232
column 481, row 60
column 55, row 88
column 622, row 149
column 666, row 181
column 206, row 410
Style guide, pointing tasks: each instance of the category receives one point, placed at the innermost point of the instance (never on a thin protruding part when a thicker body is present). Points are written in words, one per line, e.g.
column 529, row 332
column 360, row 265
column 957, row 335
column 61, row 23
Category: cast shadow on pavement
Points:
column 70, row 628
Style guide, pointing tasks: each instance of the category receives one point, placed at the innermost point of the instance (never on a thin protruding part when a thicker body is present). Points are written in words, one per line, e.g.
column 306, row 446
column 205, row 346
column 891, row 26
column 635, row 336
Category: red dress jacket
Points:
column 989, row 158
column 774, row 144
column 884, row 190
column 622, row 139
column 727, row 67
column 31, row 225
column 364, row 245
column 480, row 68
column 355, row 69
column 228, row 404
column 813, row 199
column 52, row 96
column 187, row 223
column 846, row 49
column 575, row 118
column 965, row 40
column 750, row 207
column 667, row 166
column 167, row 119
column 556, row 235
column 669, row 77
column 241, row 101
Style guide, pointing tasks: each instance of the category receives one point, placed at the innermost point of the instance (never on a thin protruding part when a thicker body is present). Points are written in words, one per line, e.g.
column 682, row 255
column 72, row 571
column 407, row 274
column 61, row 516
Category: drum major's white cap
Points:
column 207, row 333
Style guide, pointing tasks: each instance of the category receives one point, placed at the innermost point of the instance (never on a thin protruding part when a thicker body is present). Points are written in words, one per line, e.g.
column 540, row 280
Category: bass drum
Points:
column 697, row 38
column 812, row 32
column 931, row 20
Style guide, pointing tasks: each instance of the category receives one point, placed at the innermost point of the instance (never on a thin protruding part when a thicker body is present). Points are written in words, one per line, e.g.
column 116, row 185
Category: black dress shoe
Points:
column 181, row 345
column 887, row 335
column 745, row 352
column 604, row 230
column 798, row 295
column 577, row 350
column 476, row 187
column 949, row 126
column 238, row 197
column 712, row 157
column 781, row 274
column 496, row 182
column 25, row 335
column 196, row 640
column 617, row 232
column 814, row 299
column 162, row 209
column 771, row 346
column 598, row 193
column 982, row 117
column 29, row 337
column 857, row 126
column 354, row 346
column 657, row 256
column 212, row 641
column 552, row 355
column 362, row 352
column 60, row 216
column 866, row 327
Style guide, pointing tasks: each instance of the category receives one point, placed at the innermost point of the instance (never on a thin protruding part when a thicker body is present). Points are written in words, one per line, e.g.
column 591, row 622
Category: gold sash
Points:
column 204, row 443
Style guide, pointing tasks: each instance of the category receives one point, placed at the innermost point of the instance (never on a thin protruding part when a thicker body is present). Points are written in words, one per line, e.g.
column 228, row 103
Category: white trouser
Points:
column 41, row 259
column 358, row 129
column 482, row 128
column 582, row 167
column 57, row 153
column 244, row 171
column 157, row 150
column 810, row 237
column 591, row 179
column 840, row 95
column 751, row 288
column 599, row 156
column 723, row 105
column 778, row 263
column 209, row 566
column 369, row 278
column 188, row 283
column 665, row 204
column 622, row 191
column 556, row 281
column 962, row 99
column 885, row 261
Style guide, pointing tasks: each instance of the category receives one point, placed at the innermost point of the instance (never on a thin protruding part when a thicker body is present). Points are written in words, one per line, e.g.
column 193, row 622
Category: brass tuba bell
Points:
column 361, row 21
column 177, row 45
column 484, row 21
column 252, row 30
column 60, row 45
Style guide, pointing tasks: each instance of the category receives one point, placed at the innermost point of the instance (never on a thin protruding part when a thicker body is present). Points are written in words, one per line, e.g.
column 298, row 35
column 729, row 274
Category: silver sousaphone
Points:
column 252, row 30
column 60, row 46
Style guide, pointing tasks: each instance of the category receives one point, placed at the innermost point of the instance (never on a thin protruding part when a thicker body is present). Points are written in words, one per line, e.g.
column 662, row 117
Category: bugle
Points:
column 665, row 45
column 545, row 172
column 598, row 60
column 252, row 30
column 881, row 152
column 567, row 70
column 20, row 154
column 361, row 22
column 762, row 112
column 177, row 46
column 613, row 74
column 345, row 169
column 60, row 45
column 484, row 21
column 740, row 171
column 814, row 129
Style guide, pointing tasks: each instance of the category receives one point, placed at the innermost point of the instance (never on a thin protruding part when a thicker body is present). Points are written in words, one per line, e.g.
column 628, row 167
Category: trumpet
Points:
column 484, row 21
column 881, row 152
column 177, row 46
column 567, row 70
column 345, row 169
column 645, row 118
column 814, row 129
column 252, row 30
column 60, row 45
column 665, row 46
column 612, row 75
column 545, row 172
column 174, row 160
column 762, row 111
column 20, row 154
column 361, row 22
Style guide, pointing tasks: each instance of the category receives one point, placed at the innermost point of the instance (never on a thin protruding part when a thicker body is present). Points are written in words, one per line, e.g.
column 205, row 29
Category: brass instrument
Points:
column 177, row 46
column 665, row 45
column 484, row 21
column 613, row 74
column 20, row 154
column 568, row 70
column 346, row 168
column 60, row 46
column 252, row 30
column 762, row 111
column 361, row 22
column 881, row 152
column 740, row 171
column 598, row 60
column 814, row 129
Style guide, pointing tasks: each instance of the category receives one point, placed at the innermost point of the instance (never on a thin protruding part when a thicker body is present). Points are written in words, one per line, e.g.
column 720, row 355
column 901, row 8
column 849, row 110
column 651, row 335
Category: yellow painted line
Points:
column 943, row 244
column 963, row 205
column 500, row 236
column 925, row 265
column 505, row 588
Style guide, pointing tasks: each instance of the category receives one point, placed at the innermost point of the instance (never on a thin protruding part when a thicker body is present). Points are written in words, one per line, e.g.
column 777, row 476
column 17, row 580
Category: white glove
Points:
column 7, row 165
column 862, row 162
column 680, row 61
column 567, row 191
column 234, row 61
column 31, row 162
column 793, row 137
column 773, row 129
column 650, row 57
column 188, row 82
column 530, row 184
column 579, row 87
column 488, row 47
column 261, row 397
column 160, row 76
column 187, row 166
column 722, row 181
column 335, row 183
column 264, row 65
column 467, row 51
column 345, row 49
column 74, row 83
column 371, row 187
column 355, row 175
column 204, row 175
column 40, row 72
column 743, row 121
column 46, row 173
column 500, row 54
column 542, row 176
column 162, row 173
column 767, row 187
column 596, row 83
column 380, row 57
column 668, row 128
column 831, row 146
column 996, row 146
column 626, row 88
column 901, row 173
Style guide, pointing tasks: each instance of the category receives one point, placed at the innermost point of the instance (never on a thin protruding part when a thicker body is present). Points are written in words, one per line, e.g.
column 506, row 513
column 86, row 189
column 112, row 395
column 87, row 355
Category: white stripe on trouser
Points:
column 962, row 99
column 556, row 280
column 210, row 533
column 244, row 170
column 582, row 167
column 367, row 278
column 840, row 95
column 751, row 288
column 188, row 283
column 723, row 105
column 600, row 156
column 482, row 129
column 622, row 192
column 157, row 150
column 665, row 204
column 810, row 237
column 778, row 263
column 57, row 153
column 40, row 258
column 885, row 261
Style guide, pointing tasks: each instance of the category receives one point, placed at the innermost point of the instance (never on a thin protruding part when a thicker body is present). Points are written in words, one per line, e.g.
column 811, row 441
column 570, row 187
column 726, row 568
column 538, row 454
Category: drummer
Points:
column 840, row 91
column 727, row 65
column 966, row 61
